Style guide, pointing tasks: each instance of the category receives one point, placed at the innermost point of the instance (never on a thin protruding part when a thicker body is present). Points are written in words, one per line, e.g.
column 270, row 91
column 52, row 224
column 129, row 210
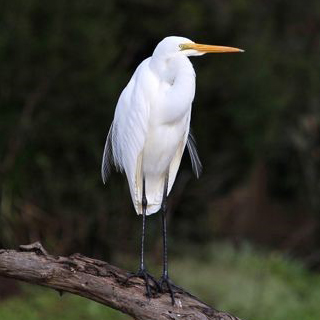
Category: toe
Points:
column 166, row 285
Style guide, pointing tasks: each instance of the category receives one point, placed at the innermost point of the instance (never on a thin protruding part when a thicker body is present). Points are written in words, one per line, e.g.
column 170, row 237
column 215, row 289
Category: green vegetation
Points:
column 44, row 304
column 248, row 283
column 252, row 285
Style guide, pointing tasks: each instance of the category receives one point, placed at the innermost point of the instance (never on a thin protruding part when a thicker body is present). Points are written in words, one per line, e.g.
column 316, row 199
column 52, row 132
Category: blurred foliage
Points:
column 42, row 304
column 248, row 283
column 251, row 284
column 256, row 120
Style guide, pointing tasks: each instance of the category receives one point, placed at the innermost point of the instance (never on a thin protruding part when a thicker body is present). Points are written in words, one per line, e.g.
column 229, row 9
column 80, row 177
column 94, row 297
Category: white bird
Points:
column 150, row 130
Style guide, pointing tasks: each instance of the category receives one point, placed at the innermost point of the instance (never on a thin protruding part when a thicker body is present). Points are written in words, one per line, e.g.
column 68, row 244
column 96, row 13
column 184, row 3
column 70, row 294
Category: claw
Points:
column 146, row 276
column 170, row 287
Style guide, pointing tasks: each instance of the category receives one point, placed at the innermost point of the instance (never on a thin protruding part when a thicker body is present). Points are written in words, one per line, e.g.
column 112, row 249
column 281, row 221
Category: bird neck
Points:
column 177, row 82
column 172, row 68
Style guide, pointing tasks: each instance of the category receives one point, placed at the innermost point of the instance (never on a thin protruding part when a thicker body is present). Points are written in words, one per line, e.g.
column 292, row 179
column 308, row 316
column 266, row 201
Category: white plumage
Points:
column 152, row 121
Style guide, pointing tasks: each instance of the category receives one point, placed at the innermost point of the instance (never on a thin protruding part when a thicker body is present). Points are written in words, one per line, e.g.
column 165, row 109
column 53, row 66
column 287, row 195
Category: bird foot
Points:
column 166, row 285
column 152, row 286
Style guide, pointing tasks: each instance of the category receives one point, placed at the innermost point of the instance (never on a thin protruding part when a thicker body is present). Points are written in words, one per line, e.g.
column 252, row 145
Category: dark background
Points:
column 255, row 118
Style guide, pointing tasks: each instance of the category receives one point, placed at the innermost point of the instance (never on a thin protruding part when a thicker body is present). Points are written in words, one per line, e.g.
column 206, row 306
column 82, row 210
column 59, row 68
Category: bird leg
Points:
column 142, row 272
column 166, row 285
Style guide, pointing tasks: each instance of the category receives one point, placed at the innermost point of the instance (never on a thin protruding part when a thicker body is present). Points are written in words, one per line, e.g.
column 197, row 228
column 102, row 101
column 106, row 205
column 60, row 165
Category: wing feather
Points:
column 128, row 131
column 195, row 160
column 107, row 158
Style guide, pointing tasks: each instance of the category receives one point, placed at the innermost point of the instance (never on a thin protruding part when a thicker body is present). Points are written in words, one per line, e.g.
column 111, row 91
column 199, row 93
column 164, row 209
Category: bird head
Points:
column 172, row 46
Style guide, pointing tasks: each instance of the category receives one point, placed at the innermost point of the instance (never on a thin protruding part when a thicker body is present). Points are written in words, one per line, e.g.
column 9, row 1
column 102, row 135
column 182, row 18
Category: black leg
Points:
column 144, row 203
column 142, row 273
column 165, row 280
column 164, row 228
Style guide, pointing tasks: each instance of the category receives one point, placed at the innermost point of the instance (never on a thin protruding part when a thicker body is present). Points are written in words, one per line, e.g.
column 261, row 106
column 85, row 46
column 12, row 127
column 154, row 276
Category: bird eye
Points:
column 183, row 46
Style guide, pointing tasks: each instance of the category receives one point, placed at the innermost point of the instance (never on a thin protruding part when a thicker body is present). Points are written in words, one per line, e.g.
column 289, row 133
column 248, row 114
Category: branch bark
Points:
column 99, row 281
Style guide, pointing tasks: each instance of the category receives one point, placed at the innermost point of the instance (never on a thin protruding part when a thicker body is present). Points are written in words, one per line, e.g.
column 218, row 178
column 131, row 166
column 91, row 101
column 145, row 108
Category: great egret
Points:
column 150, row 130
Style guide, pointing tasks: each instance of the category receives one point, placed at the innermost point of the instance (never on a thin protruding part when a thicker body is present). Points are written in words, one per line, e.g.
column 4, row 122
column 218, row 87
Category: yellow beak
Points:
column 205, row 48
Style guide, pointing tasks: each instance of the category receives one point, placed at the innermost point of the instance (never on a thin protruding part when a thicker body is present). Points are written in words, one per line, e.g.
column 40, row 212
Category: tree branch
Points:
column 101, row 282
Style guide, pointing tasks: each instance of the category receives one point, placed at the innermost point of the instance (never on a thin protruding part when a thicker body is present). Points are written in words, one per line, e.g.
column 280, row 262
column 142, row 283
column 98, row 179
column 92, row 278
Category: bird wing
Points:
column 127, row 134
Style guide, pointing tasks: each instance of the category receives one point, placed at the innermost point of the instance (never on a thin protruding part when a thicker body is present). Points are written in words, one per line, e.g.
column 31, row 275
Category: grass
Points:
column 245, row 282
column 37, row 303
column 250, row 284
